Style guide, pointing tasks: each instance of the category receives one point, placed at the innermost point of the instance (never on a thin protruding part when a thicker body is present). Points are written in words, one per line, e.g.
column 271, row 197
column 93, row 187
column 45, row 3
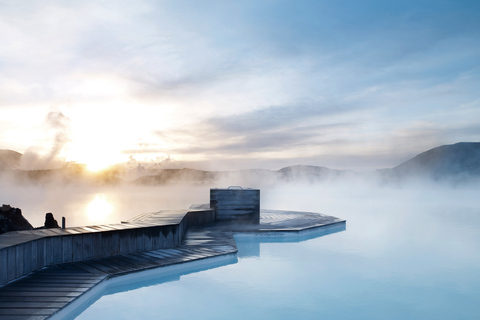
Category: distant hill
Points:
column 251, row 177
column 165, row 176
column 311, row 173
column 9, row 159
column 459, row 162
column 456, row 162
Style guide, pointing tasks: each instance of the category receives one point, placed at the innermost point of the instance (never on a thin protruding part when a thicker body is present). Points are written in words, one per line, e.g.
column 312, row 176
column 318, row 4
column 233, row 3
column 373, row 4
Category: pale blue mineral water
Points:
column 403, row 255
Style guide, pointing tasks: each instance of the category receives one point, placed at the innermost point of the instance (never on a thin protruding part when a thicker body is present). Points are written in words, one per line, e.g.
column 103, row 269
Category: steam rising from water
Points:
column 86, row 204
column 436, row 179
column 59, row 125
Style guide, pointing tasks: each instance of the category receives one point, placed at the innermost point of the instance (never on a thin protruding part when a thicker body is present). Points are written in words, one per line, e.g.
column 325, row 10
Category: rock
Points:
column 50, row 221
column 11, row 219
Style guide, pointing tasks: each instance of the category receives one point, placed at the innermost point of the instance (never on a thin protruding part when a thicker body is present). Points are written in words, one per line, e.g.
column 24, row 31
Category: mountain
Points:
column 9, row 159
column 456, row 162
column 459, row 162
column 299, row 173
column 311, row 173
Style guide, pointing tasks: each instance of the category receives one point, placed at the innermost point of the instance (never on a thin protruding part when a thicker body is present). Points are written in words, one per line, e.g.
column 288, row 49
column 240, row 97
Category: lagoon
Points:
column 406, row 254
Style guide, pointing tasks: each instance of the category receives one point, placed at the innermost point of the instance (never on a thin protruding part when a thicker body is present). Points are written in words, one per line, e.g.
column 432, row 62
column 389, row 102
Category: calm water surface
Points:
column 406, row 254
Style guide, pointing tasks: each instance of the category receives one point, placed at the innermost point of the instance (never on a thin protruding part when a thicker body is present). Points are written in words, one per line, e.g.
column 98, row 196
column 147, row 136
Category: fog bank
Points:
column 89, row 204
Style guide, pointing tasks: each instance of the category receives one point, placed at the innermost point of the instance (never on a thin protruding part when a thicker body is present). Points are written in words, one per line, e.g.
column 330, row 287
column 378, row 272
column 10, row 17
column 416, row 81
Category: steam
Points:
column 337, row 197
column 59, row 125
column 134, row 169
column 145, row 186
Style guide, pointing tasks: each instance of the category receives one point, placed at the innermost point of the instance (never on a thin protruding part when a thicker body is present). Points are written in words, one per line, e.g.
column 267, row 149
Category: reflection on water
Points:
column 89, row 205
column 99, row 209
column 248, row 245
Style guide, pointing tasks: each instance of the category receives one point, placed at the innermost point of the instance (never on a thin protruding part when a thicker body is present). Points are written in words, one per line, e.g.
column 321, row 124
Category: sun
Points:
column 105, row 132
column 98, row 164
column 97, row 151
column 94, row 159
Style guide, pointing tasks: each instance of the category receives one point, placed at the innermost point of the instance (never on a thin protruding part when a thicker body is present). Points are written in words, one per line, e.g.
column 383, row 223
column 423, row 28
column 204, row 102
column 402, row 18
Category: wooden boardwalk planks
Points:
column 44, row 292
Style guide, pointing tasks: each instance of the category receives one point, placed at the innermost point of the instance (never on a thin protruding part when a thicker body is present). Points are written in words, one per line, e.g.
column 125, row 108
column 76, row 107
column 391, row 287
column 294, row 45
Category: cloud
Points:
column 306, row 47
column 268, row 118
column 224, row 79
column 273, row 129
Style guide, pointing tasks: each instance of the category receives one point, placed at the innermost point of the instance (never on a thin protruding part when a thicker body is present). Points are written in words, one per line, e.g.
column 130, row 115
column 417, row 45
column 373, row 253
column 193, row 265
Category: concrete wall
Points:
column 240, row 205
column 22, row 258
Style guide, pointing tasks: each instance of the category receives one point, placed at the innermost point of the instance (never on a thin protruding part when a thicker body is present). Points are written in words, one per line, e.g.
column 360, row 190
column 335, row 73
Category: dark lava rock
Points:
column 11, row 219
column 50, row 221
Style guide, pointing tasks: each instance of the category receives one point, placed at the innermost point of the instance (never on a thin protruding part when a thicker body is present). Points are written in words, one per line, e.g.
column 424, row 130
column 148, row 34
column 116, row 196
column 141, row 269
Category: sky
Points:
column 223, row 85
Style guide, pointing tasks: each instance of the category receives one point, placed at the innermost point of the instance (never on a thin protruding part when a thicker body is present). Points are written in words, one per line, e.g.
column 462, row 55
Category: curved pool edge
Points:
column 107, row 286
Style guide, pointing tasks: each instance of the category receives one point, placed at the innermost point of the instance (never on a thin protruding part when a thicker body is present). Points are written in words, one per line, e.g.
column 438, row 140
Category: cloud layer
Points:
column 343, row 84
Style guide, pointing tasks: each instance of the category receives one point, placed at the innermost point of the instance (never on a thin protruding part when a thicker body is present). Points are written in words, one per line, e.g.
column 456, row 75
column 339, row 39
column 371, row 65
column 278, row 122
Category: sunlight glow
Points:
column 101, row 131
column 99, row 163
column 99, row 208
column 94, row 157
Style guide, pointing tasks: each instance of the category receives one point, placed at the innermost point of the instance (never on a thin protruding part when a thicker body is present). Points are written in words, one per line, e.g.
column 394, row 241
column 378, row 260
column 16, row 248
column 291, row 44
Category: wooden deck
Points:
column 43, row 293
column 22, row 252
column 51, row 290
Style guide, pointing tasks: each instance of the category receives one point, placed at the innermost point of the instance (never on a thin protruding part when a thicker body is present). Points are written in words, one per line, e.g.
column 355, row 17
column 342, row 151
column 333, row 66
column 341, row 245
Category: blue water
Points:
column 403, row 255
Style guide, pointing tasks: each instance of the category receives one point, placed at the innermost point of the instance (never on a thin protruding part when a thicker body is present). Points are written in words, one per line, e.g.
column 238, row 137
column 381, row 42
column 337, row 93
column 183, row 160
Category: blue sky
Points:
column 238, row 84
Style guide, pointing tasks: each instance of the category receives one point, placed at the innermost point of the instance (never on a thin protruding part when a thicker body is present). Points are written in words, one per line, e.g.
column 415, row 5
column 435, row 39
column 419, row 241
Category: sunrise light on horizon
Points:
column 234, row 85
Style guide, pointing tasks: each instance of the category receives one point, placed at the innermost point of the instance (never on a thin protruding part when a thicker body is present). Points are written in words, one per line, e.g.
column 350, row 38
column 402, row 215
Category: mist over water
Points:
column 407, row 253
column 435, row 179
column 89, row 204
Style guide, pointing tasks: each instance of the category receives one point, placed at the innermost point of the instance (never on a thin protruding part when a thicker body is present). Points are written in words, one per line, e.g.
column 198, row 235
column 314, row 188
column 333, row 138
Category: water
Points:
column 406, row 254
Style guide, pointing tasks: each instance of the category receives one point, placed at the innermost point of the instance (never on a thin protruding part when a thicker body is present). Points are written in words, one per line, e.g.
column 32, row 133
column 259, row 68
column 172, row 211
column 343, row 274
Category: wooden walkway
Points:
column 43, row 293
column 22, row 252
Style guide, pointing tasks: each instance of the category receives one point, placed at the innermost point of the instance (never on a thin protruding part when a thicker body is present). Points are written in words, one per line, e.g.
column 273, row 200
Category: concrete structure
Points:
column 236, row 204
